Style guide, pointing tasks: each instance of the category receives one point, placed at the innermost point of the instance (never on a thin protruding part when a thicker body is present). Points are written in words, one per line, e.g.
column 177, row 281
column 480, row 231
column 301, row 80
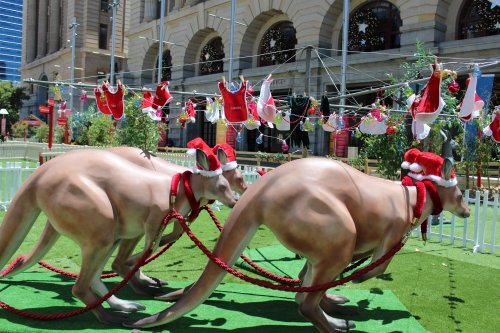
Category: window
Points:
column 166, row 70
column 479, row 18
column 104, row 5
column 211, row 58
column 374, row 27
column 278, row 45
column 103, row 36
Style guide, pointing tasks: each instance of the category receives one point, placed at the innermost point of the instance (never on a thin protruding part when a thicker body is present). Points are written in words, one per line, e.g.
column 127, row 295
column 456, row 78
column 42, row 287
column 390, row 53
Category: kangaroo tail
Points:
column 235, row 236
column 18, row 221
column 44, row 244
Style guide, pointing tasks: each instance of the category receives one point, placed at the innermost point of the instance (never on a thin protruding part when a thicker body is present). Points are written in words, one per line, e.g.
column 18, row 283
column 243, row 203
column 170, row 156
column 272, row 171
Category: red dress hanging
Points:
column 115, row 100
column 102, row 105
column 235, row 104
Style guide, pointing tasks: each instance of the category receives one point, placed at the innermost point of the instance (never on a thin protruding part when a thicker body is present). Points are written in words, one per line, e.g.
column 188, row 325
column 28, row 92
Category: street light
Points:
column 3, row 112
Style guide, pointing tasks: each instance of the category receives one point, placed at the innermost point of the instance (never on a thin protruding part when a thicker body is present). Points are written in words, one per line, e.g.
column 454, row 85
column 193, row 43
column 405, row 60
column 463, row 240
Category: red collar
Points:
column 422, row 187
column 193, row 203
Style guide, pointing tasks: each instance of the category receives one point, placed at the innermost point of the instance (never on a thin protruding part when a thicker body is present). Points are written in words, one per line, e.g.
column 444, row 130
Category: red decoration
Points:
column 453, row 87
column 391, row 130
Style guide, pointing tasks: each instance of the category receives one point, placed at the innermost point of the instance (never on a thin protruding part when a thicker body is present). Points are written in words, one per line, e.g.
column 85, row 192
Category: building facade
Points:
column 11, row 25
column 299, row 42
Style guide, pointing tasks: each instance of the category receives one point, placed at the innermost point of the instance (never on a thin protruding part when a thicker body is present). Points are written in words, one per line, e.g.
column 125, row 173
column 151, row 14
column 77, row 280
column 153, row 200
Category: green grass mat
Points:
column 231, row 308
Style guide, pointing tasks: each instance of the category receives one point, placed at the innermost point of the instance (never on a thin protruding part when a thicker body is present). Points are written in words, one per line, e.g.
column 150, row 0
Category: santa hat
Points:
column 410, row 158
column 214, row 164
column 190, row 112
column 472, row 103
column 231, row 163
column 431, row 103
column 493, row 129
column 147, row 106
column 432, row 165
column 419, row 129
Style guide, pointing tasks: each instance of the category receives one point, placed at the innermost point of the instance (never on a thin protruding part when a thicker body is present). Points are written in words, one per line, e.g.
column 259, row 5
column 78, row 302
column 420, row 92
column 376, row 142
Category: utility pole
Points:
column 345, row 37
column 115, row 4
column 73, row 27
column 160, row 48
column 231, row 42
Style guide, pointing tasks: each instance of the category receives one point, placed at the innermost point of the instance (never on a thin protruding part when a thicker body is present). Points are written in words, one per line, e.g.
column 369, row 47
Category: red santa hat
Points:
column 230, row 162
column 214, row 164
column 419, row 129
column 493, row 129
column 431, row 103
column 432, row 165
column 410, row 158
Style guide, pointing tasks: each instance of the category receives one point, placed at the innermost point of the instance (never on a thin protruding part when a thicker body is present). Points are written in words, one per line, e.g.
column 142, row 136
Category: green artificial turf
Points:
column 447, row 289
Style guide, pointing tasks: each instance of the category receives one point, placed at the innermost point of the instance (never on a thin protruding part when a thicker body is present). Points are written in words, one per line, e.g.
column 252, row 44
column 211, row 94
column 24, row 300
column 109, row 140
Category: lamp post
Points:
column 3, row 112
column 73, row 27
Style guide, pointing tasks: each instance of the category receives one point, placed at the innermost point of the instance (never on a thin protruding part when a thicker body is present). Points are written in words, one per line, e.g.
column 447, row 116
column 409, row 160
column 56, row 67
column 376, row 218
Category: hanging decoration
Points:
column 493, row 129
column 472, row 104
column 375, row 121
column 83, row 96
column 235, row 104
column 266, row 108
column 114, row 99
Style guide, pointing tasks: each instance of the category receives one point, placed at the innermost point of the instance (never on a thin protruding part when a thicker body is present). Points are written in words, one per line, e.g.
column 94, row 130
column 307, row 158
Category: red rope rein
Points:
column 270, row 285
column 98, row 302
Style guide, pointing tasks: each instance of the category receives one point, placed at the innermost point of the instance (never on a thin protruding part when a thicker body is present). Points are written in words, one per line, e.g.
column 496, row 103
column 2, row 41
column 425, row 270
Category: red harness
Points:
column 193, row 203
column 422, row 187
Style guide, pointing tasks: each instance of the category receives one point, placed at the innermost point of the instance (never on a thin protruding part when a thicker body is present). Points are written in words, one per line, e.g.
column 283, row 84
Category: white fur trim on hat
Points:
column 487, row 131
column 441, row 181
column 415, row 167
column 148, row 109
column 405, row 165
column 205, row 173
column 191, row 152
column 229, row 166
column 416, row 176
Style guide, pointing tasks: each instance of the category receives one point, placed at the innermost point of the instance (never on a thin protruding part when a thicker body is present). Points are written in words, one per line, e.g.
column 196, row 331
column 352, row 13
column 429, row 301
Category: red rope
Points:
column 269, row 285
column 98, row 302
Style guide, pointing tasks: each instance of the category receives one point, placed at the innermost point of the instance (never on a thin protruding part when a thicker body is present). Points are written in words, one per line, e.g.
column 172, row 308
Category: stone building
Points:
column 270, row 36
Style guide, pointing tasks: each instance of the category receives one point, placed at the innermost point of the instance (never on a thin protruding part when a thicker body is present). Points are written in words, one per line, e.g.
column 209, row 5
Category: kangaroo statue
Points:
column 100, row 200
column 140, row 283
column 329, row 213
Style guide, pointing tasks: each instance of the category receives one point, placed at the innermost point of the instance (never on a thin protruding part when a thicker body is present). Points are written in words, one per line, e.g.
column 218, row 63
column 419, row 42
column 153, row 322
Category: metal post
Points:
column 113, row 28
column 160, row 48
column 231, row 42
column 73, row 43
column 345, row 36
column 308, row 71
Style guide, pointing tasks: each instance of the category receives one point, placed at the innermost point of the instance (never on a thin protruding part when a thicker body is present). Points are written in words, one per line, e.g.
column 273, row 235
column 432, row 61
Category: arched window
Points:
column 374, row 27
column 479, row 18
column 166, row 70
column 211, row 57
column 278, row 45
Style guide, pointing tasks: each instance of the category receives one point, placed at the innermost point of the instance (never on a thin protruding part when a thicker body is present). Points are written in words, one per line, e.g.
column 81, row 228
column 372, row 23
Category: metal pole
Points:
column 73, row 43
column 345, row 36
column 308, row 71
column 231, row 41
column 160, row 48
column 113, row 28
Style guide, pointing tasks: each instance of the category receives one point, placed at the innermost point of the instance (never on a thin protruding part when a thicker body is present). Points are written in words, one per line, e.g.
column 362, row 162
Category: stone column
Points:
column 31, row 36
column 54, row 26
column 42, row 28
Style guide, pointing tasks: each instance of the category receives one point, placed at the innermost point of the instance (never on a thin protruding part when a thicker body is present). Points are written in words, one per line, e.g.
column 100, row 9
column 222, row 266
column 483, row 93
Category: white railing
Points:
column 12, row 175
column 477, row 232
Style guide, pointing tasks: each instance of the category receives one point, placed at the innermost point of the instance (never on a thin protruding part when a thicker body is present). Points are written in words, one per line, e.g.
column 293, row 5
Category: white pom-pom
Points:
column 415, row 167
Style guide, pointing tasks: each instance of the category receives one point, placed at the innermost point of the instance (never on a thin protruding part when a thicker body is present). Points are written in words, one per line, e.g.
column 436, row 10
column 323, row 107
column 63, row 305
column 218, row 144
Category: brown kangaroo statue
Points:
column 140, row 283
column 100, row 200
column 329, row 213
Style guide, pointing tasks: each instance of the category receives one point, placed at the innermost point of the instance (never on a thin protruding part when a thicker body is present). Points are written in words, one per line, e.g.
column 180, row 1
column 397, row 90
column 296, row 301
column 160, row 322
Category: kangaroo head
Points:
column 214, row 186
column 233, row 175
column 453, row 201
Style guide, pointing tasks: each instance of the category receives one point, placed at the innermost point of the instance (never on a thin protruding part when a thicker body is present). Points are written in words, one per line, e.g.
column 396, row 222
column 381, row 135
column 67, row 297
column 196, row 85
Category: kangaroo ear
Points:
column 202, row 159
column 447, row 168
column 222, row 156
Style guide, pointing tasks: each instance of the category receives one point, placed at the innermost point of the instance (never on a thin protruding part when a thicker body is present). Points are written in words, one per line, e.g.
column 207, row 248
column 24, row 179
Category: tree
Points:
column 11, row 99
column 101, row 131
column 139, row 130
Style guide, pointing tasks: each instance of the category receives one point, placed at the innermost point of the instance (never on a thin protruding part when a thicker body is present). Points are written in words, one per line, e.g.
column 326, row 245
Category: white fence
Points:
column 12, row 175
column 477, row 232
